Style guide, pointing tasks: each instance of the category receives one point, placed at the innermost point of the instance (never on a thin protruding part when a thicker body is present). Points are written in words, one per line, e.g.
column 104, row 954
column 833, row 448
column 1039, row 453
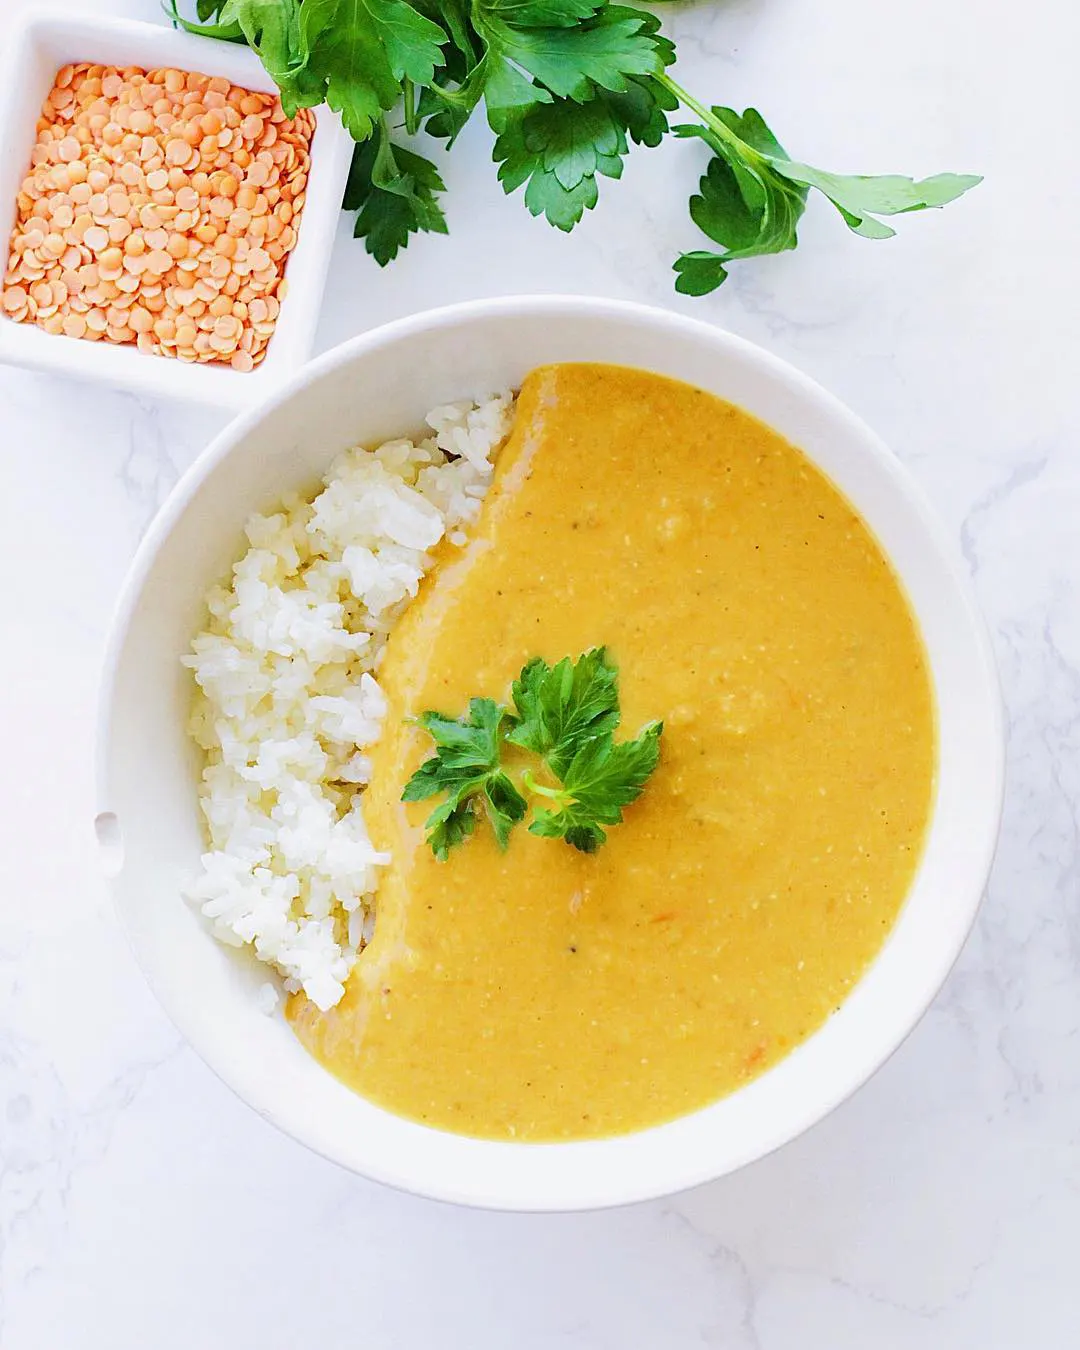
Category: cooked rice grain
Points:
column 289, row 702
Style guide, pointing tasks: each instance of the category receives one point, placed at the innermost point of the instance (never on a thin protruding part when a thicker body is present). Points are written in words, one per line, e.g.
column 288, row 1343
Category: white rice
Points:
column 289, row 702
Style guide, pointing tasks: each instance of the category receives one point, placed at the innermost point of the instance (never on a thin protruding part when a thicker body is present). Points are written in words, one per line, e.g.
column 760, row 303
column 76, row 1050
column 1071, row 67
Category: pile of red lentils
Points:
column 160, row 209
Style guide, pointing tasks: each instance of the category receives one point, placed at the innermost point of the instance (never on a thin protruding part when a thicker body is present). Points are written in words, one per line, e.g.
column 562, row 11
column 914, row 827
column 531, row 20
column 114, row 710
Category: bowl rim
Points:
column 691, row 1170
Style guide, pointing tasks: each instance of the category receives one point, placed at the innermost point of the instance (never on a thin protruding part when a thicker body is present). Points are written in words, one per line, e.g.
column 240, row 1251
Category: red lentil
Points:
column 159, row 210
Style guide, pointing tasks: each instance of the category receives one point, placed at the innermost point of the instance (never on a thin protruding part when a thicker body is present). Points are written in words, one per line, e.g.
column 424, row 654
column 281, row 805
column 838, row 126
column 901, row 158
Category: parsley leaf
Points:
column 642, row 105
column 561, row 707
column 546, row 13
column 558, row 148
column 577, row 128
column 603, row 777
column 859, row 198
column 394, row 192
column 740, row 203
column 466, row 767
column 449, row 825
column 413, row 43
column 601, row 50
column 342, row 40
column 752, row 195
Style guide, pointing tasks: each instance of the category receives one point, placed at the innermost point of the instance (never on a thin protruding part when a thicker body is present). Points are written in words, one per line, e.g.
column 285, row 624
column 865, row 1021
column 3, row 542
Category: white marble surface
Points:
column 141, row 1205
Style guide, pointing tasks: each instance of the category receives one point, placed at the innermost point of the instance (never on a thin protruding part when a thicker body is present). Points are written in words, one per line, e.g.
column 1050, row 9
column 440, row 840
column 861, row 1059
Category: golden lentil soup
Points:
column 543, row 993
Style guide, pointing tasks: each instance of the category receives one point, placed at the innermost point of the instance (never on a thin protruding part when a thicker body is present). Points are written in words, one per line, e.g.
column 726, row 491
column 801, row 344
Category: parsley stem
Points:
column 556, row 794
column 408, row 90
column 718, row 128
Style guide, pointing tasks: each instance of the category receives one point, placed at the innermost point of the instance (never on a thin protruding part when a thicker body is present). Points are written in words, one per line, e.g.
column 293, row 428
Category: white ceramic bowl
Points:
column 34, row 52
column 379, row 385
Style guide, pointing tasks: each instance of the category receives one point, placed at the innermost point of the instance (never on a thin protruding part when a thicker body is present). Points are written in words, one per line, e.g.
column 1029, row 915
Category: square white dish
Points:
column 38, row 48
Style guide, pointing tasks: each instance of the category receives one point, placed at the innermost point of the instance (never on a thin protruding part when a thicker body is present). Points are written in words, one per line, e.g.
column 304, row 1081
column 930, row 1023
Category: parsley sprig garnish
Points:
column 566, row 86
column 567, row 716
column 466, row 767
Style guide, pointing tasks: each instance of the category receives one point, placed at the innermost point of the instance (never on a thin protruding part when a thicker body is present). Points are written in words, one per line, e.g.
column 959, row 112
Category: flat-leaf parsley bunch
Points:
column 566, row 86
column 580, row 777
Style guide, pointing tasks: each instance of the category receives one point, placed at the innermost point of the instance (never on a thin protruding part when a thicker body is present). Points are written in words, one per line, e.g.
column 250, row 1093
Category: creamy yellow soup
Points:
column 543, row 993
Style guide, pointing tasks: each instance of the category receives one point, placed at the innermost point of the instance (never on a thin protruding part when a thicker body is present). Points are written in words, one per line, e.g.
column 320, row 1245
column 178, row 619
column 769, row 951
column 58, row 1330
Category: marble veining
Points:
column 142, row 1205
